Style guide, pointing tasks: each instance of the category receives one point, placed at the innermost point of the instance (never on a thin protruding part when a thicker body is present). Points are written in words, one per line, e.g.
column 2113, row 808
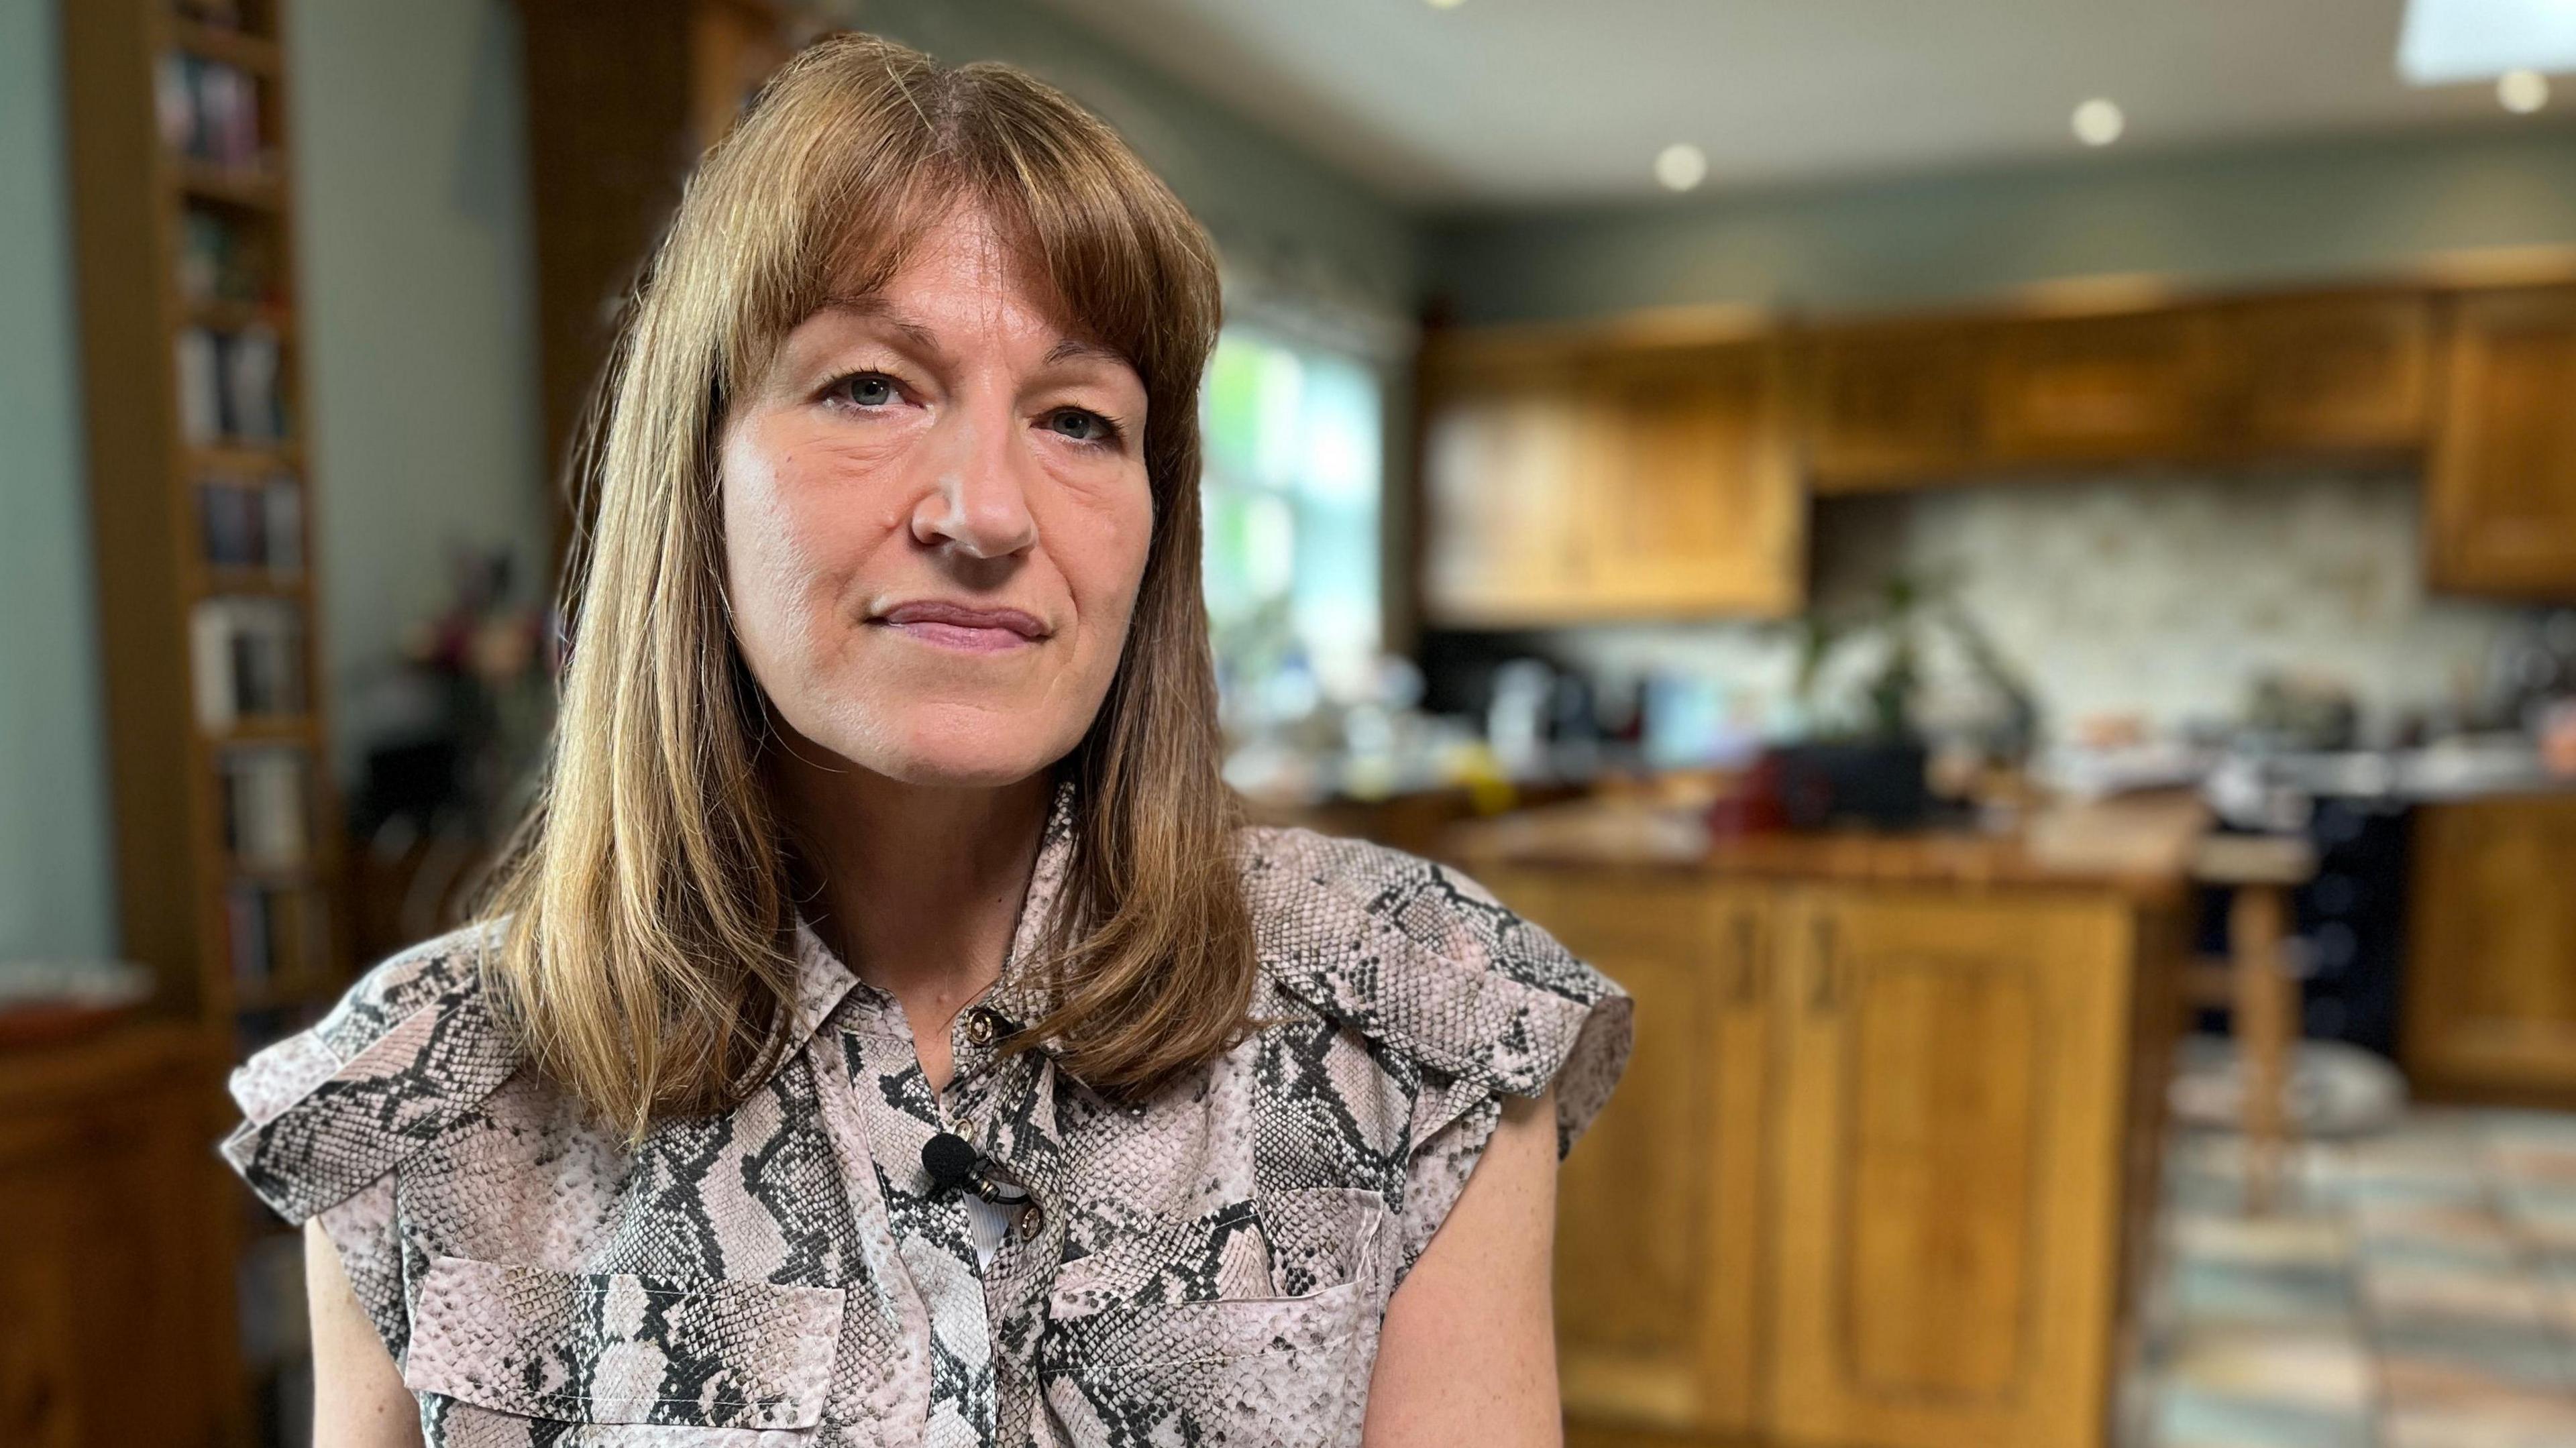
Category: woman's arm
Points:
column 359, row 1400
column 1468, row 1353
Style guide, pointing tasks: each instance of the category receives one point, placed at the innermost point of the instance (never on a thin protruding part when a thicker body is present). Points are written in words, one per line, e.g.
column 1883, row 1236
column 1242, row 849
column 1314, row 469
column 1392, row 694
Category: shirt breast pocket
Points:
column 505, row 1354
column 1252, row 1325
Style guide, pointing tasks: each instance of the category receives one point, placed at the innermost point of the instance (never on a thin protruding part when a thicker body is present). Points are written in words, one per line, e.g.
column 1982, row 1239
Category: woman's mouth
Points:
column 964, row 628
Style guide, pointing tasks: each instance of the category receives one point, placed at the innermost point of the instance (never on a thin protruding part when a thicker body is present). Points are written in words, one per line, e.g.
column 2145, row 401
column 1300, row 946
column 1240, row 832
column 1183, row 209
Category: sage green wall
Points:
column 56, row 892
column 2253, row 216
column 1272, row 208
column 417, row 273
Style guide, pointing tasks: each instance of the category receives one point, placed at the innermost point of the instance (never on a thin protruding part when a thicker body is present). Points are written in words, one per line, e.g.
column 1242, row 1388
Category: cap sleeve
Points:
column 1478, row 1002
column 335, row 1108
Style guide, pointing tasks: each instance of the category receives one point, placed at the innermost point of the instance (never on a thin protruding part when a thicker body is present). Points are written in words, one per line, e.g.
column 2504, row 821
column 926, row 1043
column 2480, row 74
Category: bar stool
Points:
column 2256, row 981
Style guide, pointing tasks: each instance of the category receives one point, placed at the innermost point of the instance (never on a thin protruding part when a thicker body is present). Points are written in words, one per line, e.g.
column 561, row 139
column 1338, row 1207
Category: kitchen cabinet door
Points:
column 1949, row 1167
column 2503, row 478
column 2337, row 374
column 1659, row 1255
column 1693, row 499
column 1503, row 453
column 1891, row 406
column 1569, row 480
column 2491, row 951
column 2121, row 388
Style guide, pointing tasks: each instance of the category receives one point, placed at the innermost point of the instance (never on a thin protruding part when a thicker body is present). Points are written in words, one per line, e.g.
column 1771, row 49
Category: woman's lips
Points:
column 963, row 627
column 965, row 638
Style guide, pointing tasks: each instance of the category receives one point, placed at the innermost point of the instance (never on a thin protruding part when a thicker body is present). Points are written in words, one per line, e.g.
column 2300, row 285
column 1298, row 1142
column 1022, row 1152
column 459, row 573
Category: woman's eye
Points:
column 1079, row 425
column 868, row 389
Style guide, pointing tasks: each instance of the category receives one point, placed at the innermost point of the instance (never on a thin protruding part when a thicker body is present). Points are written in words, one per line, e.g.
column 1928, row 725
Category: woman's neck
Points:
column 916, row 887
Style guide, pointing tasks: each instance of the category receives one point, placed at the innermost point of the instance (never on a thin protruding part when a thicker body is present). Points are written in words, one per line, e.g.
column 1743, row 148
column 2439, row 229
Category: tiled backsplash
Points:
column 2161, row 594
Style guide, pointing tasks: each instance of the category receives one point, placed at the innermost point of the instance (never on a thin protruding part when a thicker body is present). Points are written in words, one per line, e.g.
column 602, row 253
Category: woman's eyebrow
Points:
column 1073, row 347
column 875, row 309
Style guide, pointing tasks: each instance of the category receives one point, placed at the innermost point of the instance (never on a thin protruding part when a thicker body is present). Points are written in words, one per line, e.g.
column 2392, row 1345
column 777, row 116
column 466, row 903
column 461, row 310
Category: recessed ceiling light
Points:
column 1444, row 4
column 2098, row 122
column 1681, row 166
column 2522, row 91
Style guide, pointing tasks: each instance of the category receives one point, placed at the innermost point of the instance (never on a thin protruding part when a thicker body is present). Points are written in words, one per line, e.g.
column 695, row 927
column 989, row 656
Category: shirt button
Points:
column 979, row 1027
column 1031, row 1219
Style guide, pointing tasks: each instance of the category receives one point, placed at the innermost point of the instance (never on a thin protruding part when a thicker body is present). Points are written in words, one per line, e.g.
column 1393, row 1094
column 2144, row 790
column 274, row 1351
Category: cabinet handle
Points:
column 1748, row 962
column 1820, row 997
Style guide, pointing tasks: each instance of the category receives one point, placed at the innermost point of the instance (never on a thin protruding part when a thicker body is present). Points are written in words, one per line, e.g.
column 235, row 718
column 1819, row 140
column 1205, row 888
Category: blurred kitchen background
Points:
column 2009, row 567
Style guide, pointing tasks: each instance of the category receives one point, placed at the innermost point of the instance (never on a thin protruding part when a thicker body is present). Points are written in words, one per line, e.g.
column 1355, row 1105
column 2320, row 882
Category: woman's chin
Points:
column 961, row 759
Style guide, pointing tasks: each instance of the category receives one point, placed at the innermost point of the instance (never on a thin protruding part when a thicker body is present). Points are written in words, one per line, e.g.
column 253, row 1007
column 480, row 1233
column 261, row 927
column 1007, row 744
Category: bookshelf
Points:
column 228, row 835
column 228, row 850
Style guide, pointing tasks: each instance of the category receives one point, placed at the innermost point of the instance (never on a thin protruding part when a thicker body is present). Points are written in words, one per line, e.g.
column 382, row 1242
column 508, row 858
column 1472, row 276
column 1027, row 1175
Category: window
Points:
column 1294, row 453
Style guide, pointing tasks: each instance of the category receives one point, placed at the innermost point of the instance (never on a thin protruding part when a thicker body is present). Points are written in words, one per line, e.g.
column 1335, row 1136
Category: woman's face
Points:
column 935, row 517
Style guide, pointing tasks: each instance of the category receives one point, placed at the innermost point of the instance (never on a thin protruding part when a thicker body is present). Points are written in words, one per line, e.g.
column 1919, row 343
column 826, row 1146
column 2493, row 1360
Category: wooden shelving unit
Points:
column 228, row 837
column 203, row 505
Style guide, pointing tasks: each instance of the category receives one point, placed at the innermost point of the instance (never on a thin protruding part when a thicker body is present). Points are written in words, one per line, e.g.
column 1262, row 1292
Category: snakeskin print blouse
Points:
column 1210, row 1265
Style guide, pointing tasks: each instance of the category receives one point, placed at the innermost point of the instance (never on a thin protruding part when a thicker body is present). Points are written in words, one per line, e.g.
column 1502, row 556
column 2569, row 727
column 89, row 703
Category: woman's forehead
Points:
column 953, row 272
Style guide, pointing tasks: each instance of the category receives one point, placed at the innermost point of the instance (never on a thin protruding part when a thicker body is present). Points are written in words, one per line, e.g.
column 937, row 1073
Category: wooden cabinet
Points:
column 1906, row 404
column 1692, row 496
column 1891, row 406
column 2491, row 950
column 1590, row 480
column 1659, row 1263
column 2331, row 374
column 1503, row 448
column 1950, row 1168
column 2099, row 388
column 2502, row 506
column 115, row 1280
column 1864, row 1182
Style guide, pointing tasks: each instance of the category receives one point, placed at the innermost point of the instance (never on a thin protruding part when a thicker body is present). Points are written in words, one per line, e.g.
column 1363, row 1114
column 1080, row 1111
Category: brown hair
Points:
column 647, row 958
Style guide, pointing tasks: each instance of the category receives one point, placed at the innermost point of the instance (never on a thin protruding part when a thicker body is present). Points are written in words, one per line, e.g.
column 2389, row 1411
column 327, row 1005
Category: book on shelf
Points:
column 247, row 659
column 208, row 111
column 276, row 933
column 229, row 385
column 252, row 525
column 250, row 922
column 221, row 260
column 267, row 815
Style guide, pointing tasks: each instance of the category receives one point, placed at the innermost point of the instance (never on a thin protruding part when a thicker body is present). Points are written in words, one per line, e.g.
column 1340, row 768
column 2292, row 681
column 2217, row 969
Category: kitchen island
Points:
column 1879, row 1175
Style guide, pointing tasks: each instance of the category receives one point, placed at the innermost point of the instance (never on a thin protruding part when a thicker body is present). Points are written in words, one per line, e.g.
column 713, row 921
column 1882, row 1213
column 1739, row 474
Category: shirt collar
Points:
column 1021, row 996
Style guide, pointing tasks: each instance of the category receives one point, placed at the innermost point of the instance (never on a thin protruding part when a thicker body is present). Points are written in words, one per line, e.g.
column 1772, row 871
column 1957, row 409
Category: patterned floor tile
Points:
column 2402, row 1290
column 2432, row 1361
column 2473, row 1429
column 2289, row 1296
column 2187, row 1418
column 2418, row 1290
column 2327, row 1371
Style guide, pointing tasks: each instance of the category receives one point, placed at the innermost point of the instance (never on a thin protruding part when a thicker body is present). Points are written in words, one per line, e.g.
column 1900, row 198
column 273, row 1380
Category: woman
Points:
column 885, row 1032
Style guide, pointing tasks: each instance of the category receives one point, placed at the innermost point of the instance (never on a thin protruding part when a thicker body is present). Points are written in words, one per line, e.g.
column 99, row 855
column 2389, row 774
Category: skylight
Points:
column 2447, row 41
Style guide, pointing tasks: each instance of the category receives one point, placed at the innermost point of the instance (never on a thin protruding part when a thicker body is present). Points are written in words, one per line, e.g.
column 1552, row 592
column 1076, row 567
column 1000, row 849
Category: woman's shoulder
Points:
column 409, row 1047
column 1418, row 957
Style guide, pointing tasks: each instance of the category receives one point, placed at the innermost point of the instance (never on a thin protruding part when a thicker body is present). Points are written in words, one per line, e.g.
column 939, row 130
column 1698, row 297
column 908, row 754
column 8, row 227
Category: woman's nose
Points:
column 978, row 503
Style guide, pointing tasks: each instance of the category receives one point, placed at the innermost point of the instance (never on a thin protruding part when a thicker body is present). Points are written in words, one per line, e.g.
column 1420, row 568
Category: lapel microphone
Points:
column 954, row 1164
column 950, row 1159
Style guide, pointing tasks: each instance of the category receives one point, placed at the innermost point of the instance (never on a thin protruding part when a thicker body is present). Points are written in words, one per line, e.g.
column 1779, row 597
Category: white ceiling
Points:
column 1519, row 102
